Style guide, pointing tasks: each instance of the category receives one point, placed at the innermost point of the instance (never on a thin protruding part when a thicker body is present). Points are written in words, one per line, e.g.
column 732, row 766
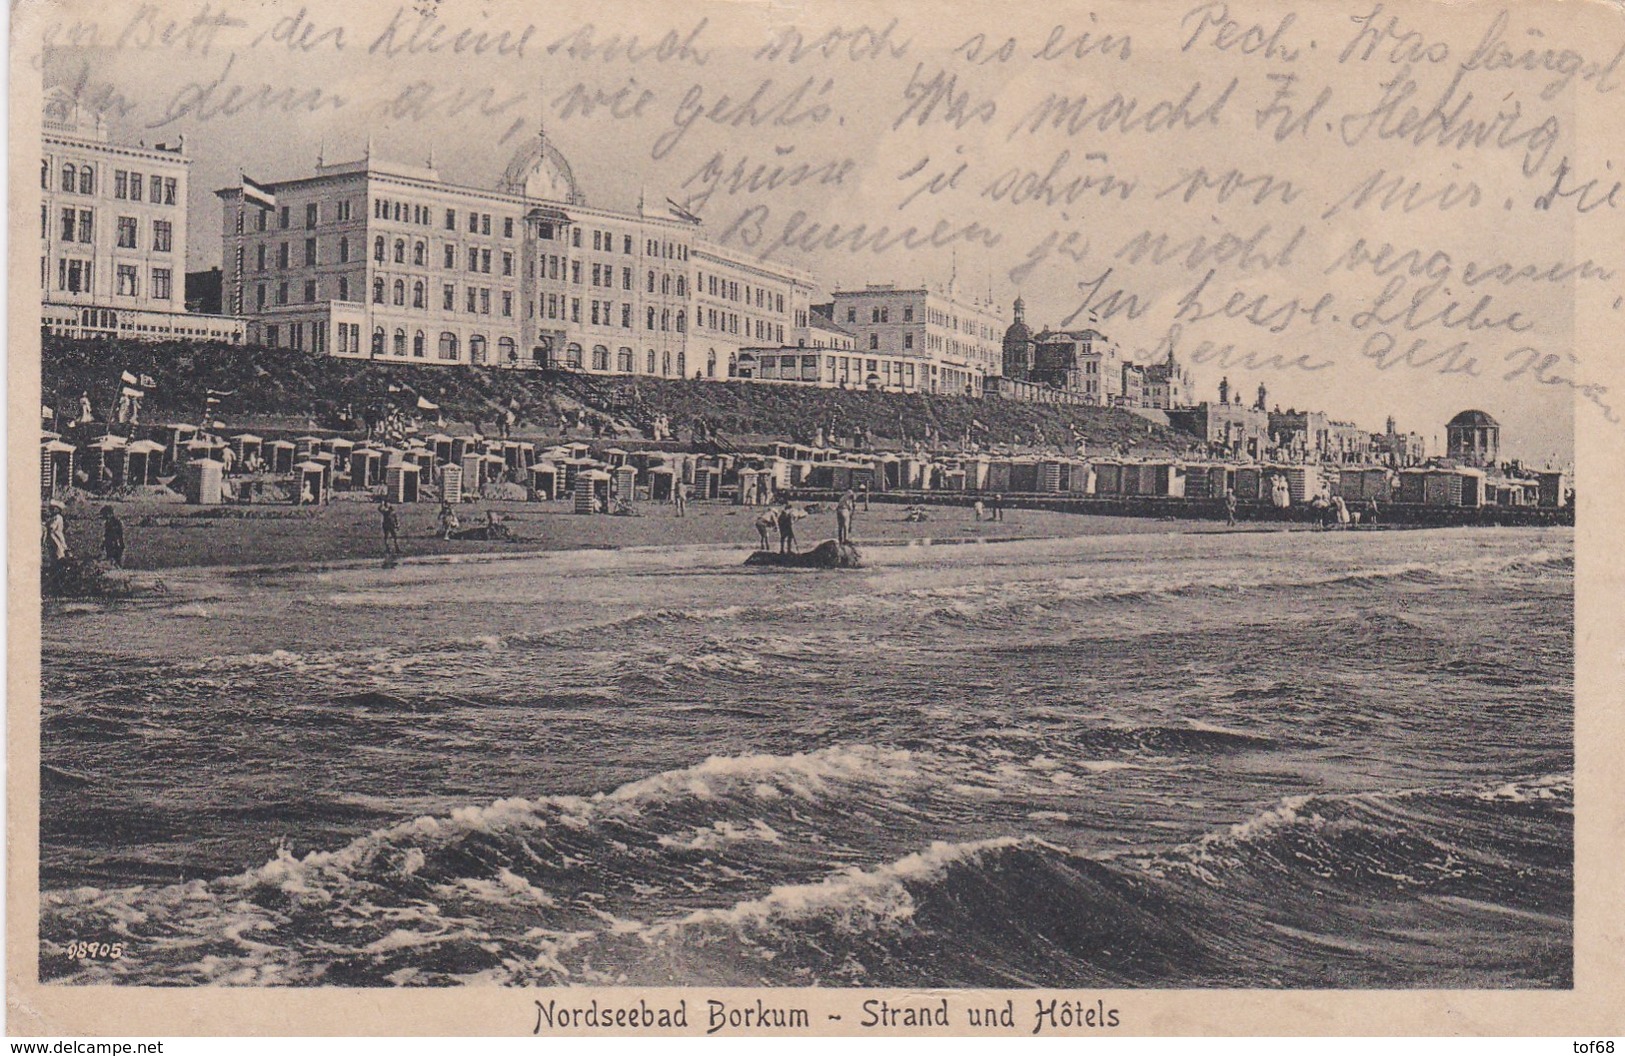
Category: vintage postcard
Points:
column 816, row 518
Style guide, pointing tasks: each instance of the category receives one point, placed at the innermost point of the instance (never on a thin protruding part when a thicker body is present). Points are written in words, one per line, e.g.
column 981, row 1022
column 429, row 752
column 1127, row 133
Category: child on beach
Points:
column 112, row 537
column 392, row 527
column 448, row 520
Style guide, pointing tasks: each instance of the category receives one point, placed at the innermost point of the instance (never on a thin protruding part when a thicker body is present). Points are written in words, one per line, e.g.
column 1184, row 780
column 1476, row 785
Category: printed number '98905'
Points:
column 98, row 950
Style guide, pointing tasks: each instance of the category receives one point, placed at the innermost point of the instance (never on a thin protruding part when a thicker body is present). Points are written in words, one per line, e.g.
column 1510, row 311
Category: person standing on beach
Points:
column 998, row 506
column 843, row 517
column 392, row 528
column 766, row 524
column 679, row 496
column 112, row 537
column 448, row 520
column 1230, row 507
column 56, row 535
column 787, row 530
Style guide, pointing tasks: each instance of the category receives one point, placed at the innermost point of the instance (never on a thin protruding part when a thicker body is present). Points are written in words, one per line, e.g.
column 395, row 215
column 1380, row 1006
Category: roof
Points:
column 1473, row 420
column 818, row 319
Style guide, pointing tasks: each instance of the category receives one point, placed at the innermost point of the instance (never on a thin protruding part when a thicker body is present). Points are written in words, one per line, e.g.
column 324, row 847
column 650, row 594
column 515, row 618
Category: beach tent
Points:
column 401, row 482
column 998, row 476
column 1553, row 487
column 423, row 459
column 473, row 466
column 953, row 478
column 366, row 467
column 615, row 457
column 1303, row 482
column 544, row 480
column 56, row 466
column 105, row 452
column 175, row 435
column 625, row 479
column 750, row 488
column 451, row 483
column 309, row 483
column 248, row 446
column 578, row 449
column 707, row 482
column 440, row 444
column 205, row 481
column 463, row 446
column 1164, row 479
column 1049, row 477
column 524, row 453
column 662, row 483
column 305, row 446
column 1082, row 480
column 279, row 456
column 591, row 490
column 1023, row 476
column 339, row 448
column 329, row 470
column 1108, row 477
column 1249, row 483
column 143, row 462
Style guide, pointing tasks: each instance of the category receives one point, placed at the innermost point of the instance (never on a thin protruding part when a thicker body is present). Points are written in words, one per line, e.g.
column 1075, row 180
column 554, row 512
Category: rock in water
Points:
column 827, row 554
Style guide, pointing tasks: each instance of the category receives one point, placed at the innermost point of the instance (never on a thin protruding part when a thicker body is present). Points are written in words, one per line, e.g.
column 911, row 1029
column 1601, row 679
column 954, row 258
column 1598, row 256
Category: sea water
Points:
column 1296, row 759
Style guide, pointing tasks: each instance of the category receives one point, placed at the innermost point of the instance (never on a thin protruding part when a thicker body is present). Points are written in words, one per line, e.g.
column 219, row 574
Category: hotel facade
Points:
column 380, row 260
column 940, row 342
column 113, row 234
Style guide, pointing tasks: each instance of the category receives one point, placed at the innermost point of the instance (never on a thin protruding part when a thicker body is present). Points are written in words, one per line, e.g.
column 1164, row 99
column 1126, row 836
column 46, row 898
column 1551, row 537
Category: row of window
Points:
column 79, row 225
column 74, row 275
column 626, row 359
column 729, row 290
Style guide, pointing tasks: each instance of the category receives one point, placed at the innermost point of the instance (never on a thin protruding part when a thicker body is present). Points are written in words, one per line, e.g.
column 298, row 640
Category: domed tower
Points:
column 1019, row 346
column 1473, row 438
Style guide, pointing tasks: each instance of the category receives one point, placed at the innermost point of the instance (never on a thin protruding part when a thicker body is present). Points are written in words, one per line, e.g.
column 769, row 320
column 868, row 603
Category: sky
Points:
column 1049, row 166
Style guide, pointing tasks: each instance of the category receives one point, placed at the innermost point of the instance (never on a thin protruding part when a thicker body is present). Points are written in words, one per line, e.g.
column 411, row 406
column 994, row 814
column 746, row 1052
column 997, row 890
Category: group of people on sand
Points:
column 54, row 550
column 782, row 518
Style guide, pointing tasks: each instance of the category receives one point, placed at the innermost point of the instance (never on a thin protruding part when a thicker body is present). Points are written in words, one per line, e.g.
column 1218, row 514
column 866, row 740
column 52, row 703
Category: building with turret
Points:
column 1473, row 438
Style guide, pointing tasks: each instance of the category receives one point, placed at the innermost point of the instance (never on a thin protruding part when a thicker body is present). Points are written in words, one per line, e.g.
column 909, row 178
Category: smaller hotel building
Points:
column 113, row 234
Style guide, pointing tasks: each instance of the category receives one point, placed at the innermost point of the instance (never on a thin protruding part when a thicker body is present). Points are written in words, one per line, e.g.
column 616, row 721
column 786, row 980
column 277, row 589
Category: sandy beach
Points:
column 166, row 535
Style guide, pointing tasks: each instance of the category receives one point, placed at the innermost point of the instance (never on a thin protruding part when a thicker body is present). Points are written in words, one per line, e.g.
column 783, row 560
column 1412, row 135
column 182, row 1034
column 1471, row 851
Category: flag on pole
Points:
column 683, row 214
column 425, row 405
column 147, row 382
column 129, row 379
column 258, row 194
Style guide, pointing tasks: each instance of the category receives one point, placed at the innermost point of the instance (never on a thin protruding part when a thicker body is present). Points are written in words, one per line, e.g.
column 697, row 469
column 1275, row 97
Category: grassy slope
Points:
column 269, row 382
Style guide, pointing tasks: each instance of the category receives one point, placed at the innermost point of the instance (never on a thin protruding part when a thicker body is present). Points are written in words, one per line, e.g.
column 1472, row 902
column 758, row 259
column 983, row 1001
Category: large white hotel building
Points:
column 387, row 261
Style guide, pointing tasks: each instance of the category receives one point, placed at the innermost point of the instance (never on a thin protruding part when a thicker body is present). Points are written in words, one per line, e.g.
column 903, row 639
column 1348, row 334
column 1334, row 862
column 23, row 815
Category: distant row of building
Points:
column 378, row 260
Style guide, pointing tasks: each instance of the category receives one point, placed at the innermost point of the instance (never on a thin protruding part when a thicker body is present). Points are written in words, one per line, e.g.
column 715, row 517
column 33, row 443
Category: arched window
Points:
column 623, row 360
column 600, row 357
column 665, row 284
column 507, row 351
column 378, row 341
column 377, row 291
column 344, row 249
column 418, row 252
column 70, row 178
column 45, row 174
column 378, row 249
column 344, row 288
column 665, row 363
column 711, row 364
column 649, row 363
column 400, row 292
column 733, row 365
column 87, row 180
column 651, row 318
column 476, row 349
column 651, row 282
column 417, row 344
column 448, row 345
column 665, row 319
column 682, row 286
column 682, row 322
column 682, row 363
column 400, row 251
column 400, row 342
column 417, row 294
column 572, row 355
